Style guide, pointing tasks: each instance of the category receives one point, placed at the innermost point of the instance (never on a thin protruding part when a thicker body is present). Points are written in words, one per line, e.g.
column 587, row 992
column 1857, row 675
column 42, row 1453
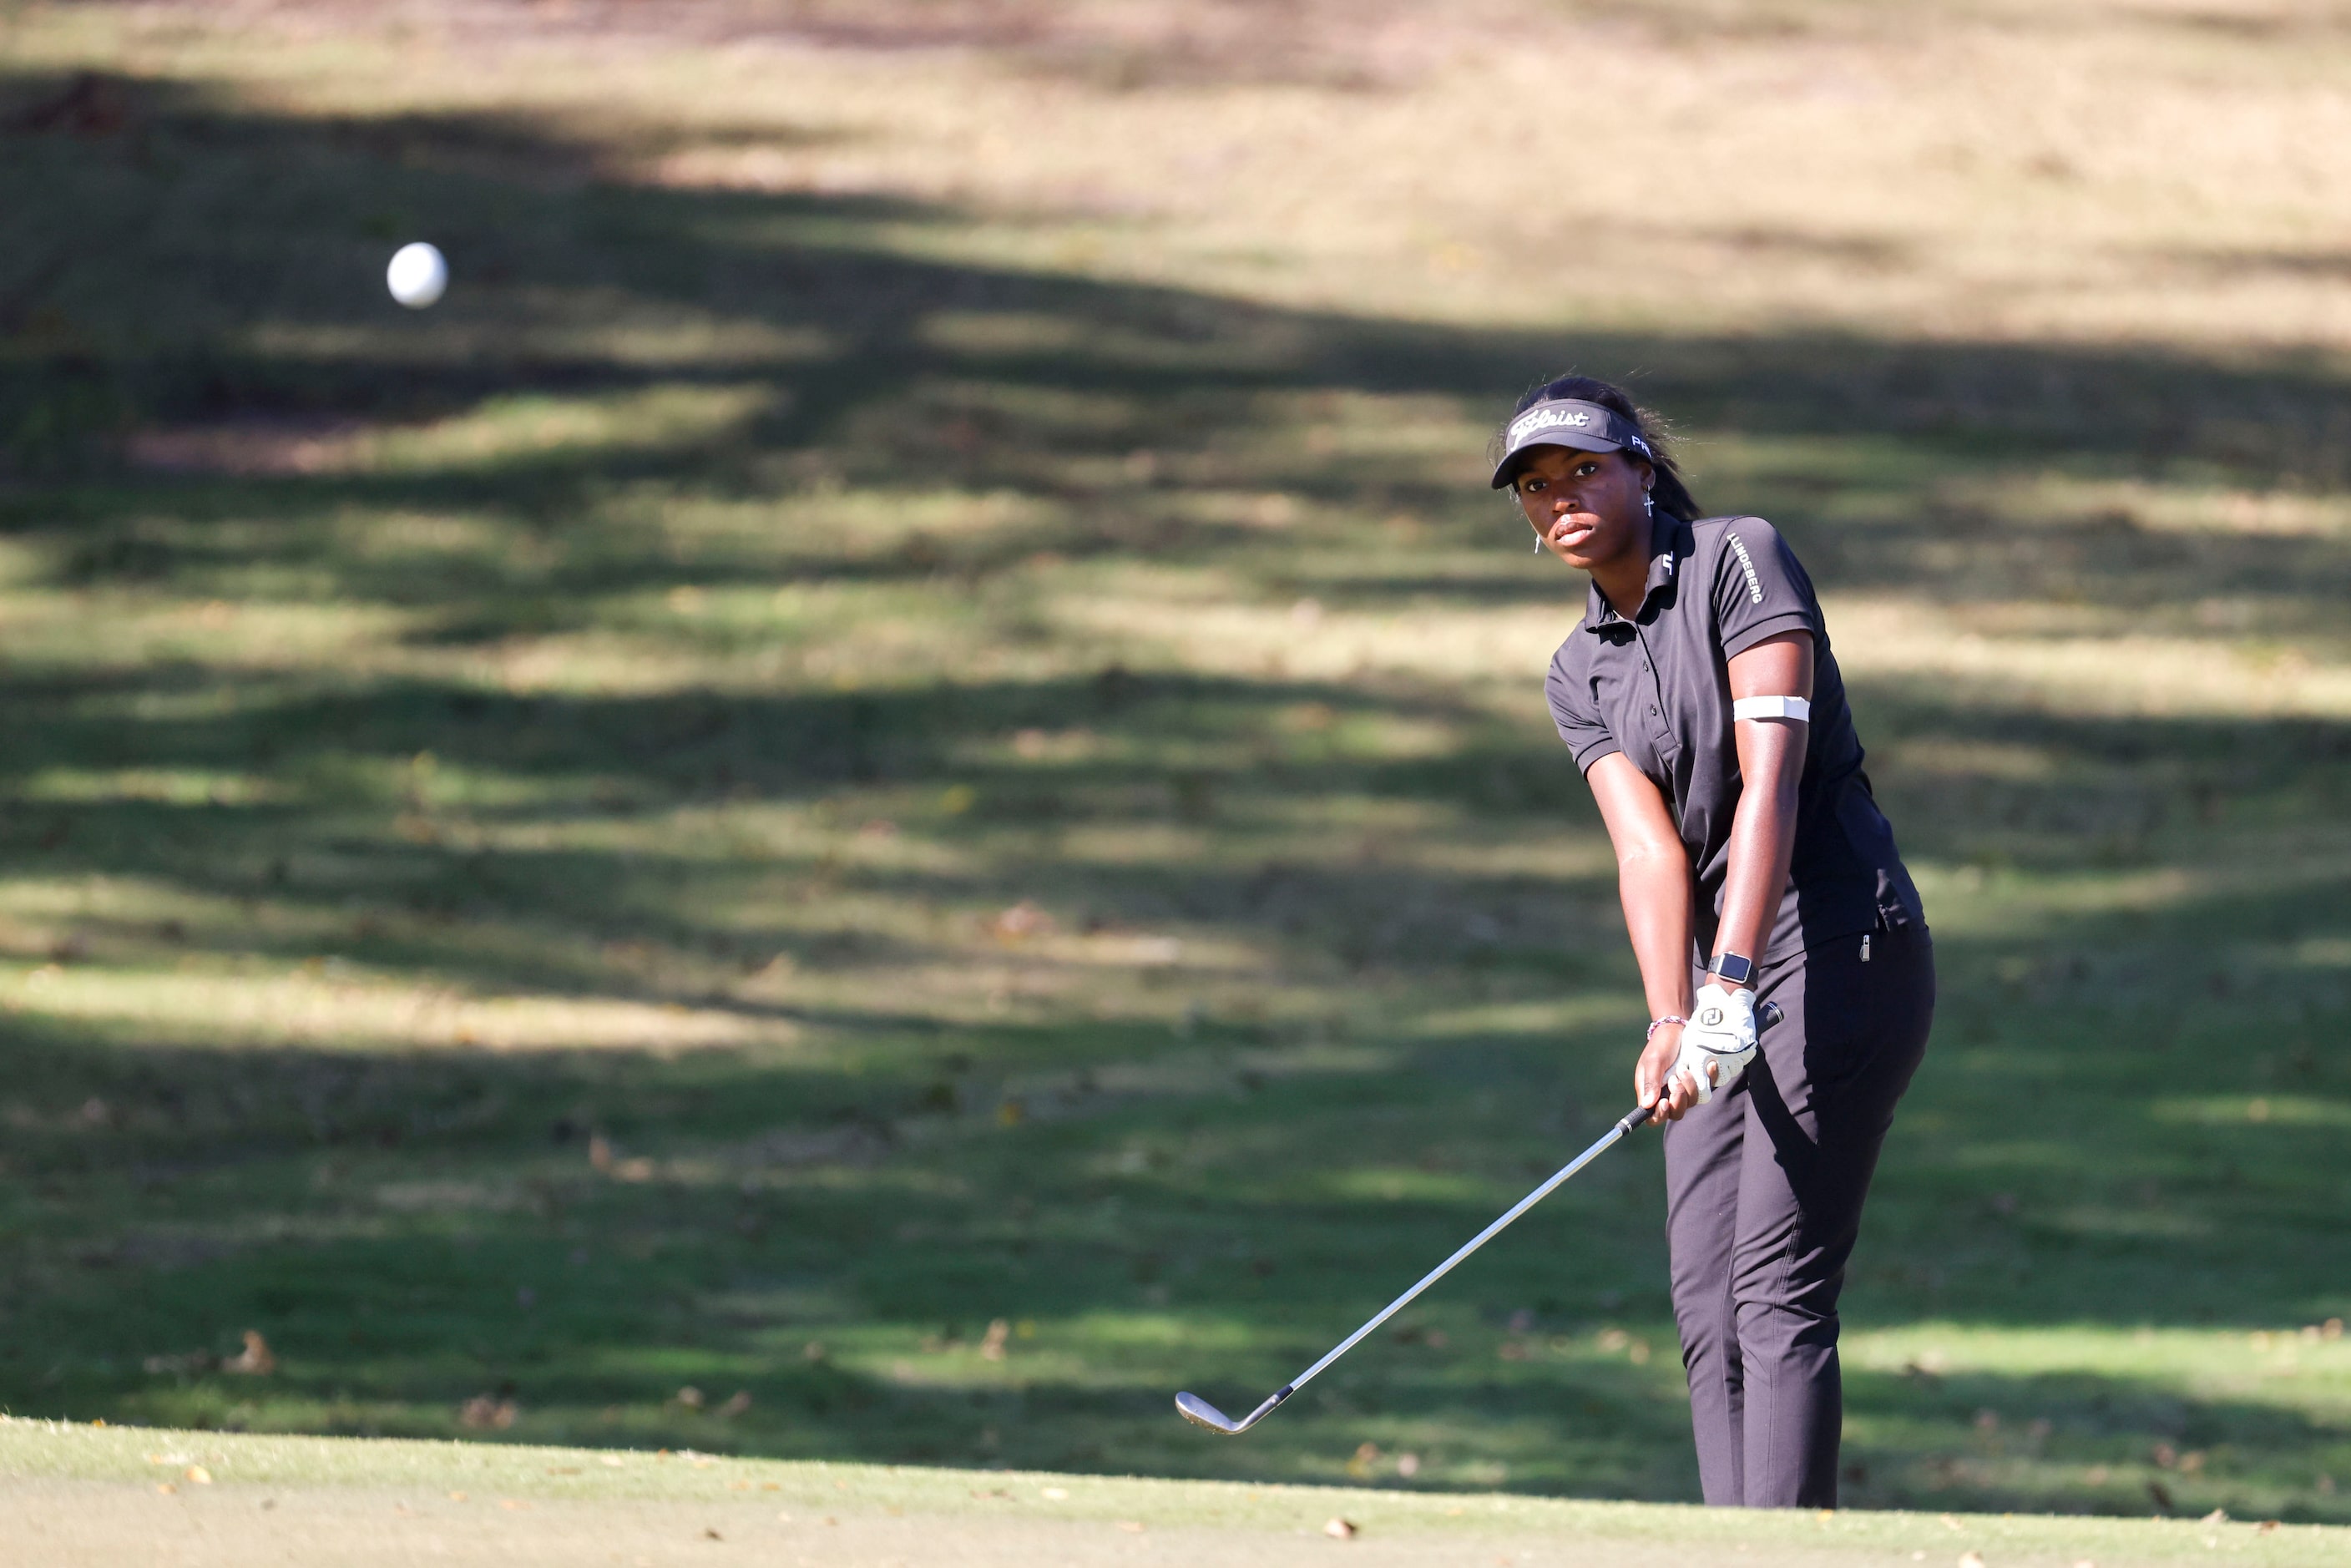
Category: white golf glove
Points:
column 1720, row 1033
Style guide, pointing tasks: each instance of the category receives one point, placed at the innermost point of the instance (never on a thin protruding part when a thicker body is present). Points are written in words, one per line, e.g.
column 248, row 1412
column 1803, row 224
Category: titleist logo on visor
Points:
column 1527, row 423
column 1582, row 416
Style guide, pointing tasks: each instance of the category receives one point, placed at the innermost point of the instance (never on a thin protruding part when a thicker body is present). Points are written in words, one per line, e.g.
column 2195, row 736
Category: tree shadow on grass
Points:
column 904, row 1171
column 371, row 1211
column 415, row 1231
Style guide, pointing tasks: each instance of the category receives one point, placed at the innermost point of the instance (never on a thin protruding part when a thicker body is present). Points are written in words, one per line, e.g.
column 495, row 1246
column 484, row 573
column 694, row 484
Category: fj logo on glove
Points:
column 1710, row 1017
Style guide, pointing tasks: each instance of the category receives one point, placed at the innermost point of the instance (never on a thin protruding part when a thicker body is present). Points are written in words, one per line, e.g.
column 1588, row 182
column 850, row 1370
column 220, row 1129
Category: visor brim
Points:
column 1514, row 459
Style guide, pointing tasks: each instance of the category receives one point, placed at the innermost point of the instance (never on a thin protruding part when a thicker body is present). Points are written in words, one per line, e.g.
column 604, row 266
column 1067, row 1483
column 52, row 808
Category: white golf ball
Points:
column 417, row 274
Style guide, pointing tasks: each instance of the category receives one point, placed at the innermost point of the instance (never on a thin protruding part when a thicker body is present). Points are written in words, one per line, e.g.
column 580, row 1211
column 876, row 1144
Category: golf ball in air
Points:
column 417, row 274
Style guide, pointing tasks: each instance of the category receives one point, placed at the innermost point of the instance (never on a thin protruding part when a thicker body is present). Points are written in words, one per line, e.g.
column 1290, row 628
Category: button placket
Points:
column 1656, row 689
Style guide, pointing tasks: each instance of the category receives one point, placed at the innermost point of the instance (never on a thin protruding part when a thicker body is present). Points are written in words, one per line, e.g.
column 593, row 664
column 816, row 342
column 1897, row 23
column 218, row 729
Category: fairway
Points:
column 885, row 792
column 77, row 1496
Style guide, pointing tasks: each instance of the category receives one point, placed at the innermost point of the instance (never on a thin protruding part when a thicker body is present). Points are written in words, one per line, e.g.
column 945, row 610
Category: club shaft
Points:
column 1524, row 1204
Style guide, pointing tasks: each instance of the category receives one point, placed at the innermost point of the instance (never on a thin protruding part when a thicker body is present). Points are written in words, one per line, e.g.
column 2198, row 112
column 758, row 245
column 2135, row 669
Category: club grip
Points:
column 1638, row 1117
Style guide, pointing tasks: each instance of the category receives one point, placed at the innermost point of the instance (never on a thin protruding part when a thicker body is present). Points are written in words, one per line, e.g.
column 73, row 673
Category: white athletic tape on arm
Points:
column 1772, row 708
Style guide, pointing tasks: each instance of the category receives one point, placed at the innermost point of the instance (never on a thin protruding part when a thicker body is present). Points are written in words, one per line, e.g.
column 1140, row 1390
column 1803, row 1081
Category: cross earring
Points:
column 1649, row 505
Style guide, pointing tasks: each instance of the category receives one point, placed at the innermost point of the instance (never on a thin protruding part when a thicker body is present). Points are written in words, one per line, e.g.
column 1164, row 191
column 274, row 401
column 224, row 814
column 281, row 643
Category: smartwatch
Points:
column 1733, row 968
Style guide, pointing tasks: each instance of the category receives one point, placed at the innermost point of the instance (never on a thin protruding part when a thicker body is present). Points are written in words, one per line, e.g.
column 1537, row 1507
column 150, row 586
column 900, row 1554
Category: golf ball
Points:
column 417, row 274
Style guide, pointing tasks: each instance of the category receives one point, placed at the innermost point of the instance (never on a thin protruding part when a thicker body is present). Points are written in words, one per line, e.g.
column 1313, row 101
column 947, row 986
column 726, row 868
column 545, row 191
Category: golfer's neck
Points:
column 1624, row 583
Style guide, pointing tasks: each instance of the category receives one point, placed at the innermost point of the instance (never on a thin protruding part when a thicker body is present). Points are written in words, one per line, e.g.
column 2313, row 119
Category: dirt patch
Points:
column 1121, row 44
column 257, row 445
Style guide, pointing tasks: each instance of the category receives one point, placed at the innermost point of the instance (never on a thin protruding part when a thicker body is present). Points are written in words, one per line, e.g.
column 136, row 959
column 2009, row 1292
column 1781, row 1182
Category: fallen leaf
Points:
column 514, row 1505
column 1131, row 1526
column 255, row 1360
column 2218, row 1516
column 991, row 1347
column 1023, row 919
column 1340, row 1529
column 2265, row 1526
column 710, row 1534
column 1055, row 1494
column 690, row 1397
column 201, row 1476
column 783, row 1519
column 484, row 1410
column 736, row 1404
column 1971, row 1559
column 166, row 1488
column 456, row 1497
column 1949, row 1523
column 611, row 1459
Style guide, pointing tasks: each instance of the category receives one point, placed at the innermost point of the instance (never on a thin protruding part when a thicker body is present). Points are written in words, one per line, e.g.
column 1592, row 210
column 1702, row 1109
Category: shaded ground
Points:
column 561, row 870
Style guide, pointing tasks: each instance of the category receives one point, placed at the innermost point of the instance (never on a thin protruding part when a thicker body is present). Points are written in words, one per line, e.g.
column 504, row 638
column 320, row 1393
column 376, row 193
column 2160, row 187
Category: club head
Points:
column 1200, row 1413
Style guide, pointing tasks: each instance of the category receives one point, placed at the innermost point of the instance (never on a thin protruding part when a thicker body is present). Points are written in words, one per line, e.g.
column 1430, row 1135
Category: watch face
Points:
column 1733, row 968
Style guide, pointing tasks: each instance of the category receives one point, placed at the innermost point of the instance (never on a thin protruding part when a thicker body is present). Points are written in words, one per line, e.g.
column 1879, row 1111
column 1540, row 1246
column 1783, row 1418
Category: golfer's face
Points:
column 1585, row 506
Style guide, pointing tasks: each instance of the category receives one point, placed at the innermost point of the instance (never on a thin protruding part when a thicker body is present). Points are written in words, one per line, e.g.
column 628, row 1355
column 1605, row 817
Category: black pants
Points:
column 1764, row 1190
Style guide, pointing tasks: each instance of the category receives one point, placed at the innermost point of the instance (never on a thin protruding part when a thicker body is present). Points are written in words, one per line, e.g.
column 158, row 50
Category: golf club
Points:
column 1200, row 1413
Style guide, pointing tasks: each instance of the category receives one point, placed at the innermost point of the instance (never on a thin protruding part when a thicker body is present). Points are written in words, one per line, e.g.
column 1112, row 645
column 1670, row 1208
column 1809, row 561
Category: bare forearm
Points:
column 1658, row 898
column 1653, row 878
column 1763, row 842
column 1770, row 765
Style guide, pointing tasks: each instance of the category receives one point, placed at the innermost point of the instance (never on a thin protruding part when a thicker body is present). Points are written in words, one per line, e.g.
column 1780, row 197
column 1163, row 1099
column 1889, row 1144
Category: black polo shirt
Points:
column 1658, row 688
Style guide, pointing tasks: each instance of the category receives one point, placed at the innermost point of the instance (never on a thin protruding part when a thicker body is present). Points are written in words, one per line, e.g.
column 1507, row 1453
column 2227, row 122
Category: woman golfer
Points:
column 1699, row 697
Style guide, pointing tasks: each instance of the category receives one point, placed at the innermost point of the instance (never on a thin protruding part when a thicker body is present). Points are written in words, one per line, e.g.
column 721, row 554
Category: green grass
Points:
column 1238, row 1521
column 787, row 776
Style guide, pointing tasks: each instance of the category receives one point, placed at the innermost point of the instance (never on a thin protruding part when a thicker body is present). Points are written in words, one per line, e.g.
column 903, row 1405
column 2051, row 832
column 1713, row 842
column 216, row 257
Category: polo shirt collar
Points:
column 1599, row 613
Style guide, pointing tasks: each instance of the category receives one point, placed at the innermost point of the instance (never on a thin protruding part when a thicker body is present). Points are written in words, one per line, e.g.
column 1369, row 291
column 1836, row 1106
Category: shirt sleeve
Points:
column 1761, row 590
column 1573, row 710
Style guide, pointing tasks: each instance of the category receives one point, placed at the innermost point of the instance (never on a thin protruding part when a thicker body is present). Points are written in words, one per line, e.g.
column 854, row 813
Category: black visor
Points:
column 1565, row 422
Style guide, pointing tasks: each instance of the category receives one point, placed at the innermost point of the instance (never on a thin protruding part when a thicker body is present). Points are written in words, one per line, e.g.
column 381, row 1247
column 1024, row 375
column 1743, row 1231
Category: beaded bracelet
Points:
column 1657, row 1024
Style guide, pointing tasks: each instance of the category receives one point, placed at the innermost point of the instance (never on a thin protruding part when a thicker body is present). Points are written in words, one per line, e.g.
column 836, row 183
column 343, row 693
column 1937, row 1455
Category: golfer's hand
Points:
column 1653, row 1083
column 1720, row 1040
